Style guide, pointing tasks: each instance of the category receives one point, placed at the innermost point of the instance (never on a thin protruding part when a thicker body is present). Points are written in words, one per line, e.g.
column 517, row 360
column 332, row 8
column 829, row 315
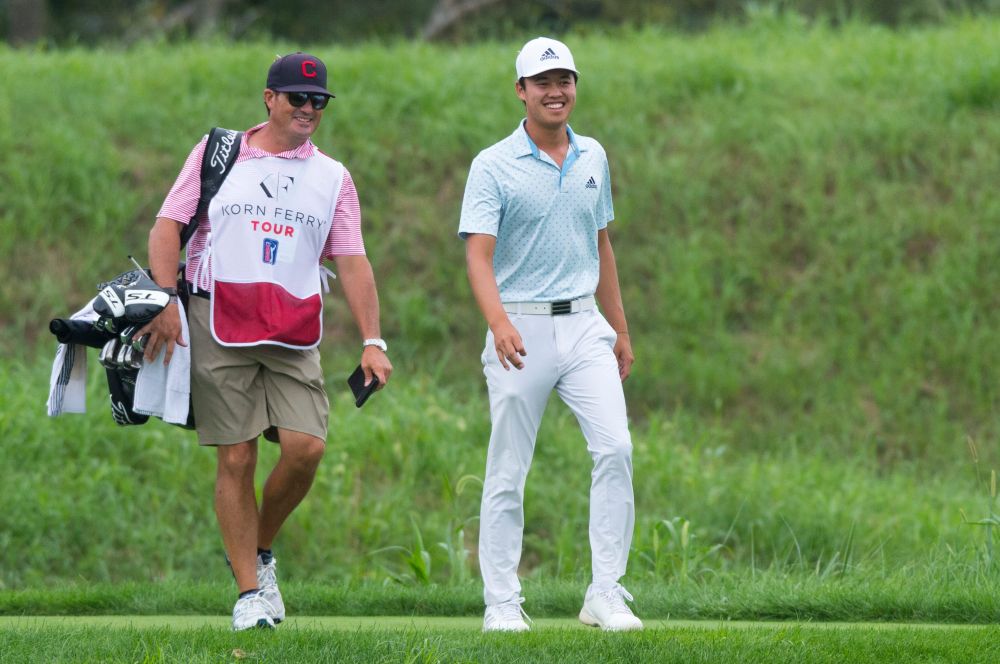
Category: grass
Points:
column 86, row 499
column 907, row 595
column 807, row 241
column 54, row 642
column 803, row 229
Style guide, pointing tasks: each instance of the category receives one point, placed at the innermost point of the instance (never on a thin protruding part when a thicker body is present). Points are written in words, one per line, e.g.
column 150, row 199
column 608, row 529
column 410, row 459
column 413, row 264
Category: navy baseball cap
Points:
column 298, row 72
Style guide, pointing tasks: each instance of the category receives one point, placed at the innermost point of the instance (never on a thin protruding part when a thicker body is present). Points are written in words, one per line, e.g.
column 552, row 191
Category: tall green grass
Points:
column 805, row 215
column 807, row 234
column 397, row 499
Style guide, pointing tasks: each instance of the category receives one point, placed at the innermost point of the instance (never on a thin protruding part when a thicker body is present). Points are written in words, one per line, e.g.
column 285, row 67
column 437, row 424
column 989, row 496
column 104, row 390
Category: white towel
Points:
column 68, row 381
column 165, row 391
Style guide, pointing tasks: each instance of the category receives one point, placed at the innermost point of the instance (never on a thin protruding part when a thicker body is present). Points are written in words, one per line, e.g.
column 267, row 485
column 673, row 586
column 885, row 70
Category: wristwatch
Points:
column 378, row 343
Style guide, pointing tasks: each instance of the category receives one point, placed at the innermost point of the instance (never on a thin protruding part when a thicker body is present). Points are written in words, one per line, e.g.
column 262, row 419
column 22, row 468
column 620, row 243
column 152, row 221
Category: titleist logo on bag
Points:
column 220, row 155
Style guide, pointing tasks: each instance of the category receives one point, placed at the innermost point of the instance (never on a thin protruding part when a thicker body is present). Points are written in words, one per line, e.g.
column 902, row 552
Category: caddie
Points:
column 534, row 220
column 255, row 315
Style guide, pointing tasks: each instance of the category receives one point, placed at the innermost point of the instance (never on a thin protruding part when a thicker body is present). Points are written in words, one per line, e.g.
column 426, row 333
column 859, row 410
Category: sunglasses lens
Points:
column 299, row 99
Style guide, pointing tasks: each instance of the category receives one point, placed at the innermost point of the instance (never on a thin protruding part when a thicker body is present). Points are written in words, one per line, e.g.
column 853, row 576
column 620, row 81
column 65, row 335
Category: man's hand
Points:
column 164, row 252
column 508, row 344
column 375, row 361
column 623, row 351
column 164, row 329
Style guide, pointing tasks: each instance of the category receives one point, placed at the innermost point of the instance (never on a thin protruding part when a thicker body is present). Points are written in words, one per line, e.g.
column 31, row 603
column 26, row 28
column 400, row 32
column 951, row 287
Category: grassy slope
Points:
column 806, row 238
column 804, row 215
column 88, row 500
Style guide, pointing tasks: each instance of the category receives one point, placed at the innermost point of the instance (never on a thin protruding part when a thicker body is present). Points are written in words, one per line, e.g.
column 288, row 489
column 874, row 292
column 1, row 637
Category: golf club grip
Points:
column 69, row 331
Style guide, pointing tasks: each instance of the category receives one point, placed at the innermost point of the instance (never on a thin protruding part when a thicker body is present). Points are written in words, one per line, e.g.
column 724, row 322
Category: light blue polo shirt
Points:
column 545, row 219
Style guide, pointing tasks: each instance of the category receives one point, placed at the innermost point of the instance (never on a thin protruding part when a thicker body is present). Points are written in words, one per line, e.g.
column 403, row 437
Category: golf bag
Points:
column 122, row 306
column 128, row 302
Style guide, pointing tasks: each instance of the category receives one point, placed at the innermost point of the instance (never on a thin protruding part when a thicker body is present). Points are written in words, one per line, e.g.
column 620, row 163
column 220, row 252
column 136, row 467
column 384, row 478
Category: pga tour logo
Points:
column 270, row 253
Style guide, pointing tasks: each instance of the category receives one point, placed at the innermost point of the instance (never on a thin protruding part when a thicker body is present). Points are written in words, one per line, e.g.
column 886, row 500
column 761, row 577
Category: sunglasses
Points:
column 299, row 99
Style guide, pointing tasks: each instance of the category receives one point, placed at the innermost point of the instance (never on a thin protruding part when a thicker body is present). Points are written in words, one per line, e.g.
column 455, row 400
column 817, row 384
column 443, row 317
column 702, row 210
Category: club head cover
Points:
column 131, row 297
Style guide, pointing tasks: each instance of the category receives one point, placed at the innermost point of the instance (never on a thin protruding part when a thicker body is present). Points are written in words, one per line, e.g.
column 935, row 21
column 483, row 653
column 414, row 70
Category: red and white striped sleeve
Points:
column 345, row 238
column 182, row 201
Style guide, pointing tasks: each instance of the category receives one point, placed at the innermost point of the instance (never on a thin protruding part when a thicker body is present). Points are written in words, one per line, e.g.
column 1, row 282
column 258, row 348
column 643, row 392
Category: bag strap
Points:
column 221, row 150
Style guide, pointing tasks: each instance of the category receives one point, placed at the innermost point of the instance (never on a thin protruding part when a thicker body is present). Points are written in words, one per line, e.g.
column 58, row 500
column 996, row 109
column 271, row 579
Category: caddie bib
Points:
column 270, row 222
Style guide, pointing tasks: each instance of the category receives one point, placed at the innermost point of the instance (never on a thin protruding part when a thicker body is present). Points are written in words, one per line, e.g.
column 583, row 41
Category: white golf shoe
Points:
column 251, row 612
column 608, row 610
column 506, row 617
column 267, row 581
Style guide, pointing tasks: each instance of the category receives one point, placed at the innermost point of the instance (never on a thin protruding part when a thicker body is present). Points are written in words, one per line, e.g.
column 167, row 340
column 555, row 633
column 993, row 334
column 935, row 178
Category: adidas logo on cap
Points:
column 549, row 54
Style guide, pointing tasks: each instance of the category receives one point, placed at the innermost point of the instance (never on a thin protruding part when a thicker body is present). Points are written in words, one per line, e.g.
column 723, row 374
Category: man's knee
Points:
column 239, row 459
column 615, row 450
column 301, row 450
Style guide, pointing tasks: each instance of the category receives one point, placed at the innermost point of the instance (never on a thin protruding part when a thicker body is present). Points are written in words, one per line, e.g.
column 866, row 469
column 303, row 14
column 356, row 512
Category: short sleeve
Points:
column 605, row 207
column 345, row 238
column 182, row 201
column 482, row 205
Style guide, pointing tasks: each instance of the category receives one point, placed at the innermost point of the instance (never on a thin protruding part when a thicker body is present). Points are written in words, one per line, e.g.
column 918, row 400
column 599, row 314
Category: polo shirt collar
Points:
column 528, row 148
column 304, row 151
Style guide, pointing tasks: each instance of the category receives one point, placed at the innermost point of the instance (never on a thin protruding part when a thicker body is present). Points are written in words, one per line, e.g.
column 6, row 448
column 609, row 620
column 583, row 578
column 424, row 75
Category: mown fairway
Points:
column 459, row 640
column 808, row 233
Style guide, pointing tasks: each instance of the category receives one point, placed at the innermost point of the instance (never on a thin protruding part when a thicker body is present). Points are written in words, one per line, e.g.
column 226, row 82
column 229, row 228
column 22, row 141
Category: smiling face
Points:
column 548, row 98
column 294, row 125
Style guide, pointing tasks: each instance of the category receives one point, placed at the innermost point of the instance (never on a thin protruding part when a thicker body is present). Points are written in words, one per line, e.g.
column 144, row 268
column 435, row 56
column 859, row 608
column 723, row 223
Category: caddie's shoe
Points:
column 608, row 610
column 250, row 612
column 506, row 617
column 267, row 581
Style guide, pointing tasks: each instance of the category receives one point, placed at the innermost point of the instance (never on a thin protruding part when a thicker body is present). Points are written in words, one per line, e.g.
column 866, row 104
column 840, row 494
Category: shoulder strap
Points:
column 221, row 150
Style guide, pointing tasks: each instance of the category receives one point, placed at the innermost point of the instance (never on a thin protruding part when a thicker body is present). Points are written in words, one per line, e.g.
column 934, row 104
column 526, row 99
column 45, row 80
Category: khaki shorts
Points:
column 239, row 393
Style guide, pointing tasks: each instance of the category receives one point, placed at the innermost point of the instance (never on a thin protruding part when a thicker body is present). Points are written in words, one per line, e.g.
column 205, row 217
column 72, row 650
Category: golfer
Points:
column 255, row 315
column 539, row 258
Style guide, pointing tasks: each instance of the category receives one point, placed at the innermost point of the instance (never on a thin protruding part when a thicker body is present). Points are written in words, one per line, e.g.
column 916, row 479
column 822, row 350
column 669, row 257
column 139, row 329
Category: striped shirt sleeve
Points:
column 345, row 231
column 182, row 201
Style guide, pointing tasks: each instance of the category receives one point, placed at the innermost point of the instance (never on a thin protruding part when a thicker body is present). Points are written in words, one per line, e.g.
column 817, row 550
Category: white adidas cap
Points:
column 543, row 54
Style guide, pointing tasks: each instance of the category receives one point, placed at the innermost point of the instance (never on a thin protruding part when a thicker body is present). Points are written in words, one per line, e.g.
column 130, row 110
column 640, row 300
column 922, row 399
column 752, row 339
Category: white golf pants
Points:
column 574, row 355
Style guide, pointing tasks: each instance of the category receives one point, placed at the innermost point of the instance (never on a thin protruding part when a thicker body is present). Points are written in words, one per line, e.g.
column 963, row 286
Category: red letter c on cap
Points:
column 309, row 69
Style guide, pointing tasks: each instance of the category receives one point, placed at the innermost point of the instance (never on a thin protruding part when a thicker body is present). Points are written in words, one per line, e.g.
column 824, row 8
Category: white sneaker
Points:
column 506, row 617
column 250, row 612
column 267, row 581
column 608, row 610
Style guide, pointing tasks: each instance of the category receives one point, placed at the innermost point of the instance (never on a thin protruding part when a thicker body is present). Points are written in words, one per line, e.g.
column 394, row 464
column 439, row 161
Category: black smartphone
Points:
column 361, row 391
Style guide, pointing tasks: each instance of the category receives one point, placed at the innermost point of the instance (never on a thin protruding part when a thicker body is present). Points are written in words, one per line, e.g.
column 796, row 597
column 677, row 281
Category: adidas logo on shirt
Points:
column 549, row 54
column 591, row 184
